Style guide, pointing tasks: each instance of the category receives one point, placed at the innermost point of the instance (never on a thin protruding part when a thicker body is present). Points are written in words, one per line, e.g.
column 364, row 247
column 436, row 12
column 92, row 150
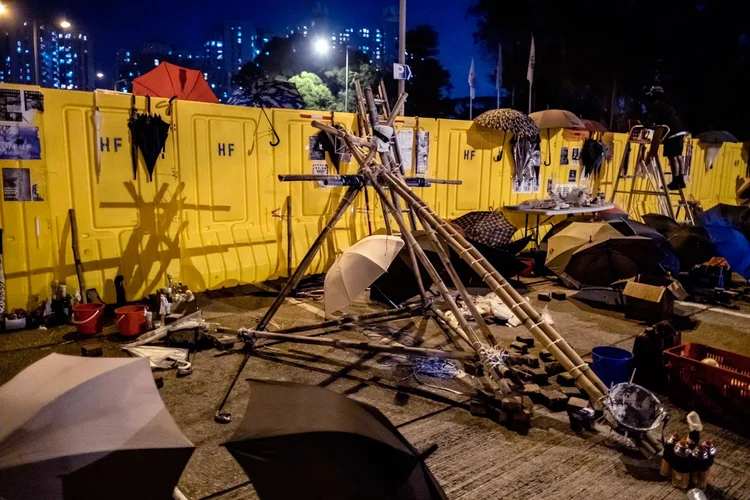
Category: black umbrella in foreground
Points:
column 75, row 427
column 603, row 262
column 692, row 244
column 304, row 442
column 660, row 222
column 666, row 254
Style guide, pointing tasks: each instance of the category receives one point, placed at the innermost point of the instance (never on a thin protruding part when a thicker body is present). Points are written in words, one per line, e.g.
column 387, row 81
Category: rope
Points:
column 492, row 357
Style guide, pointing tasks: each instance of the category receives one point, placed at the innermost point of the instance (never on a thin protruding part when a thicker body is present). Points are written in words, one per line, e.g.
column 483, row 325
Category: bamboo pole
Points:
column 545, row 333
column 346, row 320
column 77, row 254
column 351, row 344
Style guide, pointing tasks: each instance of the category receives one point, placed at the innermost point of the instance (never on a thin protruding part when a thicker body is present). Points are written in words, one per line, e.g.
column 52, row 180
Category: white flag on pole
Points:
column 532, row 62
column 471, row 80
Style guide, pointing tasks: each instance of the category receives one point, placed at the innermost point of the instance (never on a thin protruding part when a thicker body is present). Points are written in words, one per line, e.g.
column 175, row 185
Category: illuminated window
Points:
column 156, row 62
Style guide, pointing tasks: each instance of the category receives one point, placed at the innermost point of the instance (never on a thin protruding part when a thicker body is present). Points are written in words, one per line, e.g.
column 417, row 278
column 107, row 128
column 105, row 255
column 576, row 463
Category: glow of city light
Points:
column 64, row 24
column 321, row 46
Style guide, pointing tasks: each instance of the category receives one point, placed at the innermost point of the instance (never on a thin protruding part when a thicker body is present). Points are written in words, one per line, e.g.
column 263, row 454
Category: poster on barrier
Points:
column 19, row 143
column 423, row 151
column 405, row 140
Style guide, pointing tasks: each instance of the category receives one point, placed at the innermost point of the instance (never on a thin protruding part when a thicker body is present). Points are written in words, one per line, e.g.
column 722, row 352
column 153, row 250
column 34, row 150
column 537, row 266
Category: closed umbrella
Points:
column 603, row 262
column 76, row 427
column 555, row 118
column 148, row 135
column 666, row 254
column 306, row 442
column 357, row 268
column 560, row 247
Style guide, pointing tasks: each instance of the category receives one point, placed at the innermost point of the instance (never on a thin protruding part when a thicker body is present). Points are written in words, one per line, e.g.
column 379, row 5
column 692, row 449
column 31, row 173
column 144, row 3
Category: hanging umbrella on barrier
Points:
column 562, row 246
column 169, row 80
column 666, row 254
column 357, row 268
column 555, row 118
column 268, row 93
column 509, row 121
column 148, row 135
column 302, row 441
column 76, row 427
column 603, row 262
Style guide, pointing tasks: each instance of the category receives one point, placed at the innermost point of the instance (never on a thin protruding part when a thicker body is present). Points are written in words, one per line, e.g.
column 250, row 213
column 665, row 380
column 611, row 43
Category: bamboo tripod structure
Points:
column 386, row 177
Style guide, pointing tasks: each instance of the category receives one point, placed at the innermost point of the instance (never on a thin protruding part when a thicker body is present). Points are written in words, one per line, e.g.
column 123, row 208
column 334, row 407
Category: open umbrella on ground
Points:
column 717, row 137
column 562, row 246
column 169, row 80
column 560, row 226
column 149, row 135
column 357, row 268
column 306, row 442
column 555, row 118
column 76, row 427
column 666, row 254
column 660, row 222
column 728, row 227
column 692, row 244
column 603, row 262
column 489, row 227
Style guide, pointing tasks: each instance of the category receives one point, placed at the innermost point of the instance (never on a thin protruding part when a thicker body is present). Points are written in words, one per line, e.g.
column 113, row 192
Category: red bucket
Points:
column 88, row 318
column 131, row 320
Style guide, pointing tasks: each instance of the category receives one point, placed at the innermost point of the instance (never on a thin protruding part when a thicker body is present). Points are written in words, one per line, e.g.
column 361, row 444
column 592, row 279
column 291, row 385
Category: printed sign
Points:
column 33, row 99
column 10, row 105
column 320, row 168
column 16, row 184
column 572, row 174
column 423, row 152
column 575, row 157
column 317, row 152
column 405, row 140
column 564, row 155
column 19, row 143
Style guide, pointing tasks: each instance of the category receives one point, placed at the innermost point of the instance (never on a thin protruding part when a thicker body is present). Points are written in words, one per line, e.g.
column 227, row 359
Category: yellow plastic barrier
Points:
column 215, row 214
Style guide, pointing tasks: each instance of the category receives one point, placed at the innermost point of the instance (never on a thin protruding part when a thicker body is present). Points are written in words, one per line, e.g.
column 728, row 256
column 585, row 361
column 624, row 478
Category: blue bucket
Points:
column 612, row 364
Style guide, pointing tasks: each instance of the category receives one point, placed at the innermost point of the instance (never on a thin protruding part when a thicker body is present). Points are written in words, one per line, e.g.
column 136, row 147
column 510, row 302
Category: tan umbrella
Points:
column 75, row 427
column 562, row 246
column 556, row 118
column 357, row 268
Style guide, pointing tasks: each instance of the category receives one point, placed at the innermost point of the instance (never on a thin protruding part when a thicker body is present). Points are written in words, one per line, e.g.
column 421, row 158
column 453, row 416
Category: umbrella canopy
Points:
column 728, row 226
column 666, row 254
column 603, row 262
column 357, row 268
column 692, row 244
column 556, row 118
column 593, row 126
column 489, row 227
column 717, row 137
column 562, row 246
column 76, row 427
column 560, row 226
column 660, row 222
column 508, row 120
column 169, row 80
column 300, row 441
column 269, row 94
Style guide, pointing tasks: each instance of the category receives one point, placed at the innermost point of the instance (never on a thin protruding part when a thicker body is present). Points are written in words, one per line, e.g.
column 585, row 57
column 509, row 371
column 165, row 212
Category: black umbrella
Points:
column 717, row 137
column 269, row 94
column 149, row 134
column 666, row 254
column 692, row 244
column 603, row 262
column 305, row 442
column 661, row 223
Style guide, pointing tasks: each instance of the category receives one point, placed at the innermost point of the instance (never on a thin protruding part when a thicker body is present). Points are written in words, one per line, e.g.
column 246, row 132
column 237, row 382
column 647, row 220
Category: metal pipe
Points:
column 400, row 110
column 35, row 33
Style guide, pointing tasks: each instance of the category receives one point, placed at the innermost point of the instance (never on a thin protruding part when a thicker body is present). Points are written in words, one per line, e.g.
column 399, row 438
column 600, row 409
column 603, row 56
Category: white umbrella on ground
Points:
column 357, row 268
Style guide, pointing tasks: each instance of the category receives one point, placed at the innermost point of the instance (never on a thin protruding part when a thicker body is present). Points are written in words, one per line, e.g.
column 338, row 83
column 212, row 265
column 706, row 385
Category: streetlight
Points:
column 64, row 24
column 3, row 9
column 100, row 75
column 321, row 47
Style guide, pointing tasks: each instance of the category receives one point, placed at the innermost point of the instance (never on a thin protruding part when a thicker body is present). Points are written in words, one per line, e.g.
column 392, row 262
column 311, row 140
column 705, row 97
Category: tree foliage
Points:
column 314, row 92
column 698, row 50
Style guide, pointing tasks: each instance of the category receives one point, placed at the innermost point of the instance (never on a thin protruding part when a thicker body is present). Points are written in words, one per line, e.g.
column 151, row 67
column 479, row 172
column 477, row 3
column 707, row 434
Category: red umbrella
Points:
column 168, row 80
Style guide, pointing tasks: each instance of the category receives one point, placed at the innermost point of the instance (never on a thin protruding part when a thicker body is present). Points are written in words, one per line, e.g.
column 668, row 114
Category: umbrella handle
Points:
column 277, row 140
column 549, row 151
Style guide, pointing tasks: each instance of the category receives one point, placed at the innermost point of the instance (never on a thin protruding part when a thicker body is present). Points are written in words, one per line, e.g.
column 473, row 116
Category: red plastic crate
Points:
column 719, row 394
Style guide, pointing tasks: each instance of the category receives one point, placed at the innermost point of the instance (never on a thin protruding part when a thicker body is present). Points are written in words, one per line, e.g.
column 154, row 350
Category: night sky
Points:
column 129, row 23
